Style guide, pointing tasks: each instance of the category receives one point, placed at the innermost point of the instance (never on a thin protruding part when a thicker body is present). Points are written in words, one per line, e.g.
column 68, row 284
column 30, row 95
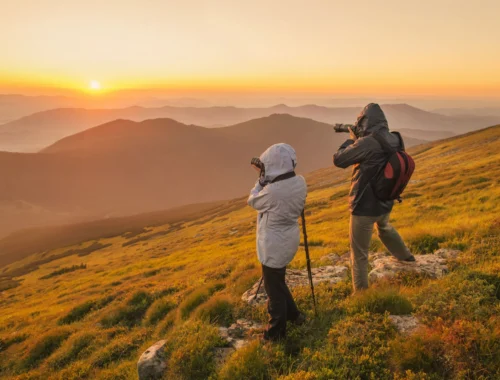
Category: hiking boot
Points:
column 410, row 259
column 300, row 320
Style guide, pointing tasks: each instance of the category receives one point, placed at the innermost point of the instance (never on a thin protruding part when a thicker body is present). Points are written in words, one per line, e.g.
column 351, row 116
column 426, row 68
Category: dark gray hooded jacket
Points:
column 368, row 157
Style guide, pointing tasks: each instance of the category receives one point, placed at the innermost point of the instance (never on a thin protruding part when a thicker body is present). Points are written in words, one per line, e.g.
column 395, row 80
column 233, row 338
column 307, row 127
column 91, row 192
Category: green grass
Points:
column 218, row 310
column 380, row 300
column 188, row 279
column 63, row 271
column 129, row 314
column 158, row 310
column 79, row 312
column 251, row 363
column 192, row 301
column 44, row 347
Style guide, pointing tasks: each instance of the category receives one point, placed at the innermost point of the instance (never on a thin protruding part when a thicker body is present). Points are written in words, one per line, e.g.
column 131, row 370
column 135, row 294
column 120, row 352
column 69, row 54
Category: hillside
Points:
column 90, row 310
column 35, row 132
column 125, row 167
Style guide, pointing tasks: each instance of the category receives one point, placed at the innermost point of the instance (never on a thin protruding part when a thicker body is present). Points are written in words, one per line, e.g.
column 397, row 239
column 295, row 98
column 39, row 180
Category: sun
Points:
column 94, row 85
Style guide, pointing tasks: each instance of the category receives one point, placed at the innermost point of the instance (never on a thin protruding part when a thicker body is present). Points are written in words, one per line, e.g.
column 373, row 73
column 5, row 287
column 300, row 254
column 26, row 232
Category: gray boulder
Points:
column 152, row 363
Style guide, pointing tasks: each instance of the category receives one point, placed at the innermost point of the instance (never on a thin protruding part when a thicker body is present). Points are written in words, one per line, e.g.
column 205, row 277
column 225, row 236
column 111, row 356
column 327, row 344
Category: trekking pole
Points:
column 308, row 260
column 258, row 288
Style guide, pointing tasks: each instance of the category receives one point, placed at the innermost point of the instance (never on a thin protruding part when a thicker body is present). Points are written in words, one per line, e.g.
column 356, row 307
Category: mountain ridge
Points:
column 35, row 132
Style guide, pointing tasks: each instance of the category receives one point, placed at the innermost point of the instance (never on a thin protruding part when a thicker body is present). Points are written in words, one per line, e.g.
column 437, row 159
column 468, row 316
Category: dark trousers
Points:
column 280, row 304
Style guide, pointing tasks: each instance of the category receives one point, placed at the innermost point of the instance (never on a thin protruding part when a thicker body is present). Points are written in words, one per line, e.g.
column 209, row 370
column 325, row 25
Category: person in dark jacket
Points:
column 367, row 156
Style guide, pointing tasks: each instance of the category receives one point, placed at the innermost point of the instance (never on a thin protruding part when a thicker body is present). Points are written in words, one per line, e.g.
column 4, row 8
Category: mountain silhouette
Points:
column 37, row 131
column 126, row 167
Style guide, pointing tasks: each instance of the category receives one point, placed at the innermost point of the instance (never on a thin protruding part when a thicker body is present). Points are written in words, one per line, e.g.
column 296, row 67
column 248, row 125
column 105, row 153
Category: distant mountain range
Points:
column 126, row 167
column 35, row 132
column 468, row 112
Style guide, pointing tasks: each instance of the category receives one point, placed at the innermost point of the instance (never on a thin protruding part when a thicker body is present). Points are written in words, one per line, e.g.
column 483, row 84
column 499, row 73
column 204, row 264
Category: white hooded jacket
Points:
column 279, row 206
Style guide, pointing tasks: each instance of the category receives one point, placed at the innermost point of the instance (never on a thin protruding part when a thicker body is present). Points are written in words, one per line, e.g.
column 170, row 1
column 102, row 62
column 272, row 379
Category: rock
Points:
column 432, row 265
column 446, row 253
column 152, row 363
column 295, row 277
column 240, row 333
column 405, row 324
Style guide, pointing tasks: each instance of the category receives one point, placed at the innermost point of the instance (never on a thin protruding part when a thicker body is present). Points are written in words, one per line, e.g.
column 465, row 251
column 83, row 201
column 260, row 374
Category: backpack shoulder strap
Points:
column 384, row 143
column 400, row 139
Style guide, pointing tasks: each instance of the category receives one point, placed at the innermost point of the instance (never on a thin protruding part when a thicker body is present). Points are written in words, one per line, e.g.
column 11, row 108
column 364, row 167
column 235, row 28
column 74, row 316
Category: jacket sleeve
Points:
column 351, row 152
column 260, row 198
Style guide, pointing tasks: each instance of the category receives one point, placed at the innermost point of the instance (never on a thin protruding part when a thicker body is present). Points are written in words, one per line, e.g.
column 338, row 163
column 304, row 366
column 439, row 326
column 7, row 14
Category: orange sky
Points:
column 439, row 47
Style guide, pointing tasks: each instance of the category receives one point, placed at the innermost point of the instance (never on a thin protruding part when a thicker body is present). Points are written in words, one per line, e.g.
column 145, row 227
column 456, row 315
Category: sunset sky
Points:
column 429, row 47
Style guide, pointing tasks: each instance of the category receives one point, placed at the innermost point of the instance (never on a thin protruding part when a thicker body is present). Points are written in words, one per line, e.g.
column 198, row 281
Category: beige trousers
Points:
column 360, row 235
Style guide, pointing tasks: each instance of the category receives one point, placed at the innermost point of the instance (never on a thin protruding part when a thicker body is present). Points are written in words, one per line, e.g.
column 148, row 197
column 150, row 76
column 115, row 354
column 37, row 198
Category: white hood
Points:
column 278, row 159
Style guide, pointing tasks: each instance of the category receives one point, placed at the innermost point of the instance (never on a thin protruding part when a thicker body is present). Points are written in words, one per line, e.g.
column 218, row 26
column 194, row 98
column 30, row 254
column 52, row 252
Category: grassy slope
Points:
column 94, row 322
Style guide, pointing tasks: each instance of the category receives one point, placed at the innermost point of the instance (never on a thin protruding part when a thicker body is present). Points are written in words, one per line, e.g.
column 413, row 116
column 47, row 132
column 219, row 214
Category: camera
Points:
column 257, row 163
column 342, row 127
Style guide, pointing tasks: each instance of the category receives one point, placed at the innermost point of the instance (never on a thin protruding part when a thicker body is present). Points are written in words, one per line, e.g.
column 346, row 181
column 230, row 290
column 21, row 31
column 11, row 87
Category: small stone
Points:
column 238, row 334
column 152, row 363
column 405, row 324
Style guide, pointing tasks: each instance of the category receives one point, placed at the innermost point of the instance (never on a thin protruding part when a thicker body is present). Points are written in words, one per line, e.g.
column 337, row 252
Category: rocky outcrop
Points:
column 405, row 324
column 295, row 277
column 240, row 333
column 432, row 265
column 152, row 363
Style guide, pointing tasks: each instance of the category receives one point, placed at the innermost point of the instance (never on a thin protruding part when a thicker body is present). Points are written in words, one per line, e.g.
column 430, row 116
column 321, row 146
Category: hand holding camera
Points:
column 346, row 128
column 258, row 165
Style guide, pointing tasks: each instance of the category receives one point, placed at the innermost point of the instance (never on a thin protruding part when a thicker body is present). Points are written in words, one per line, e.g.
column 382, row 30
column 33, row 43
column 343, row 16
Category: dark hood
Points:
column 370, row 120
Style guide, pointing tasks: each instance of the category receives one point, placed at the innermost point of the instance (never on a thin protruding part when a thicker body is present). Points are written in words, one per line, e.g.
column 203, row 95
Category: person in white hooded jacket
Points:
column 279, row 198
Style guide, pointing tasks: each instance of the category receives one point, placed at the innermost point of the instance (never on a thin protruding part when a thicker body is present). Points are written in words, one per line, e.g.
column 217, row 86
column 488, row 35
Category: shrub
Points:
column 425, row 244
column 192, row 301
column 250, row 363
column 44, row 347
column 158, row 310
column 190, row 351
column 131, row 313
column 356, row 348
column 421, row 351
column 75, row 371
column 165, row 325
column 490, row 279
column 7, row 342
column 73, row 349
column 80, row 311
column 473, row 348
column 218, row 310
column 455, row 297
column 216, row 287
column 379, row 300
column 63, row 271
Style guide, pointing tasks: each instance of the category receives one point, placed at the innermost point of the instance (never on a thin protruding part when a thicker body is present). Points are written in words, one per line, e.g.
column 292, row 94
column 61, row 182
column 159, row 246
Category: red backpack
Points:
column 391, row 180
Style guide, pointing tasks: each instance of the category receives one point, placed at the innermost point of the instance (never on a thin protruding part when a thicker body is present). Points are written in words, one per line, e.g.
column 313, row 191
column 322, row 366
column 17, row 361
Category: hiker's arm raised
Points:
column 260, row 198
column 350, row 152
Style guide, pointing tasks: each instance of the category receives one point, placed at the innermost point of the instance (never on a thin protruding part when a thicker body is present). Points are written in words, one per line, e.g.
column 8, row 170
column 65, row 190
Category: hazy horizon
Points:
column 236, row 54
